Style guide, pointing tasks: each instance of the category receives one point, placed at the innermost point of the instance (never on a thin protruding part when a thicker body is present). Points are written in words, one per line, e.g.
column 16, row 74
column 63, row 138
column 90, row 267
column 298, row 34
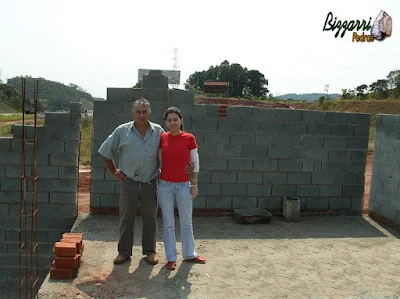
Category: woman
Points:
column 177, row 148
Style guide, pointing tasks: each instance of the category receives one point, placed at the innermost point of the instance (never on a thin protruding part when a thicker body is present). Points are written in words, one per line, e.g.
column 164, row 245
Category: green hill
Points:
column 53, row 96
column 309, row 97
column 6, row 109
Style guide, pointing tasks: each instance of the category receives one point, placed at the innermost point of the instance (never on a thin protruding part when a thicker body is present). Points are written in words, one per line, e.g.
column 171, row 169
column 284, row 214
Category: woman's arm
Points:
column 194, row 158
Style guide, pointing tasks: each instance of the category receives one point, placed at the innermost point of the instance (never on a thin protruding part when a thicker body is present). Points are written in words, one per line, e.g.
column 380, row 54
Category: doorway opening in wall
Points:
column 84, row 171
column 367, row 184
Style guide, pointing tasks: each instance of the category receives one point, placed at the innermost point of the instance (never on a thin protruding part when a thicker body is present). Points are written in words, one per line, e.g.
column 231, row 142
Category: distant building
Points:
column 215, row 87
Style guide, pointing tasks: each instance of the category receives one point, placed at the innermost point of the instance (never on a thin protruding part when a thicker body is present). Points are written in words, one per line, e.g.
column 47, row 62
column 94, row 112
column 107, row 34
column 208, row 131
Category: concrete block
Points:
column 337, row 117
column 283, row 190
column 205, row 176
column 291, row 208
column 240, row 164
column 250, row 126
column 214, row 163
column 118, row 95
column 321, row 178
column 110, row 200
column 359, row 155
column 56, row 119
column 314, row 116
column 290, row 165
column 311, row 141
column 95, row 199
column 244, row 113
column 224, row 177
column 64, row 159
column 265, row 165
column 68, row 173
column 270, row 127
column 269, row 202
column 258, row 190
column 107, row 107
column 342, row 130
column 207, row 150
column 244, row 202
column 289, row 114
column 219, row 202
column 72, row 146
column 299, row 178
column 262, row 139
column 47, row 172
column 233, row 189
column 226, row 150
column 244, row 138
column 97, row 173
column 66, row 134
column 361, row 131
column 307, row 190
column 205, row 124
column 63, row 198
column 317, row 202
column 230, row 125
column 357, row 143
column 363, row 119
column 9, row 196
column 210, row 189
column 279, row 152
column 181, row 96
column 212, row 111
column 200, row 202
column 198, row 135
column 273, row 178
column 339, row 203
column 335, row 142
column 374, row 206
column 249, row 177
column 199, row 111
column 16, row 146
column 67, row 185
column 103, row 187
column 310, row 166
column 14, row 171
column 261, row 114
column 353, row 191
column 331, row 191
column 333, row 166
column 61, row 224
column 285, row 140
column 356, row 167
column 343, row 179
column 155, row 95
column 388, row 120
column 5, row 144
column 254, row 152
column 298, row 153
column 388, row 212
column 216, row 138
column 295, row 128
column 10, row 184
column 318, row 129
column 339, row 155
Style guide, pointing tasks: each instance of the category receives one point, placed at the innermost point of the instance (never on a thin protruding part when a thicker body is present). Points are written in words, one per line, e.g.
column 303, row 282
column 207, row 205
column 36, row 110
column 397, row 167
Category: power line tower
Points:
column 175, row 63
column 327, row 91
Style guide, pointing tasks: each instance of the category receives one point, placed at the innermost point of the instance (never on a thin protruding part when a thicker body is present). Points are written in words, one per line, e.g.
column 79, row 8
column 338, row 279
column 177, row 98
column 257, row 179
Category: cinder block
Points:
column 205, row 124
column 260, row 114
column 343, row 179
column 299, row 178
column 200, row 202
column 107, row 107
column 240, row 164
column 199, row 111
column 388, row 120
column 342, row 130
column 230, row 125
column 97, row 173
column 244, row 202
column 318, row 129
column 339, row 203
column 271, row 127
column 310, row 166
column 353, row 191
column 110, row 200
column 262, row 139
column 290, row 114
column 295, row 128
column 216, row 138
column 72, row 146
column 286, row 140
column 259, row 190
column 199, row 135
column 56, row 119
column 244, row 113
column 284, row 190
column 69, row 210
column 62, row 223
column 103, row 187
column 11, row 158
column 64, row 198
column 250, row 126
column 212, row 110
column 95, row 199
column 359, row 155
column 290, row 166
column 210, row 189
column 249, row 177
column 356, row 167
column 75, row 107
column 321, row 178
column 118, row 95
column 357, row 143
column 361, row 131
column 219, row 202
column 331, row 191
column 388, row 212
column 181, row 96
column 242, row 138
column 337, row 117
column 214, row 163
column 270, row 202
column 223, row 177
column 226, row 150
column 47, row 172
column 207, row 150
column 205, row 176
column 314, row 116
column 311, row 141
column 273, row 178
column 265, row 165
column 339, row 155
column 64, row 159
column 374, row 206
column 254, row 152
column 5, row 144
column 307, row 190
column 233, row 189
column 333, row 166
column 10, row 184
column 278, row 152
column 68, row 173
column 360, row 119
column 335, row 142
column 317, row 202
column 67, row 185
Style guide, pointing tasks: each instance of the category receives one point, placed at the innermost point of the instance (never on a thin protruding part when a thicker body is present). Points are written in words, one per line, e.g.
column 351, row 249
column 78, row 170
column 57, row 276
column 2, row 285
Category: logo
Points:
column 379, row 30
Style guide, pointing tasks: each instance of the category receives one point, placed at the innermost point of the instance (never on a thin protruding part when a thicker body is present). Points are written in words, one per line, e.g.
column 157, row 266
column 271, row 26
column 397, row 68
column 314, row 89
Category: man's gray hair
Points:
column 141, row 102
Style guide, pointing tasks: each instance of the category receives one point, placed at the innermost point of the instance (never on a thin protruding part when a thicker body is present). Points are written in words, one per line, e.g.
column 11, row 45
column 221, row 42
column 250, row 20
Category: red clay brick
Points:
column 78, row 259
column 59, row 273
column 77, row 243
column 66, row 262
column 65, row 249
column 72, row 235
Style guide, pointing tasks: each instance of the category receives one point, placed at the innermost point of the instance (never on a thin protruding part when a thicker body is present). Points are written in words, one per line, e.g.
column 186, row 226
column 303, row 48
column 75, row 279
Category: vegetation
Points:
column 85, row 150
column 242, row 83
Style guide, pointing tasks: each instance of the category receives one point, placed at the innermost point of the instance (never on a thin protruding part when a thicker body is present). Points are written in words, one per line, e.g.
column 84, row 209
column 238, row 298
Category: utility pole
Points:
column 327, row 91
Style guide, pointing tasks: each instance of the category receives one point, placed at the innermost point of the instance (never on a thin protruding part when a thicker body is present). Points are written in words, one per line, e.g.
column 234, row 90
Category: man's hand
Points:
column 194, row 191
column 189, row 168
column 119, row 174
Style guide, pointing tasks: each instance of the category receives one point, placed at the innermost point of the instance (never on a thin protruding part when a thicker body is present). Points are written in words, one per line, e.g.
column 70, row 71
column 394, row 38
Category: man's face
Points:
column 141, row 115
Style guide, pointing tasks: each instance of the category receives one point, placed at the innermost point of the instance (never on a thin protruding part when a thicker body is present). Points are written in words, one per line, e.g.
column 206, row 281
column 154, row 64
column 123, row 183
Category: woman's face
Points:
column 173, row 122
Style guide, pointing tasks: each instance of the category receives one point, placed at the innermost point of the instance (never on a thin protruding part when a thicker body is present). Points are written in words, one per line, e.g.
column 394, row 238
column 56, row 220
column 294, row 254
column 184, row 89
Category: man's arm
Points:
column 114, row 170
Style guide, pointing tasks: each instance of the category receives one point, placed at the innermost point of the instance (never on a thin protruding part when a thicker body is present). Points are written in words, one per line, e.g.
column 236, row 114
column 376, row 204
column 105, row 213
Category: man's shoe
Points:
column 171, row 265
column 152, row 259
column 120, row 259
column 198, row 260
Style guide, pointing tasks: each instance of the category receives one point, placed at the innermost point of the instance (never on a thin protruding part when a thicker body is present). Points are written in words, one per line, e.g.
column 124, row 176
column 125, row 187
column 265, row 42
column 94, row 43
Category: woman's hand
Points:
column 119, row 174
column 194, row 191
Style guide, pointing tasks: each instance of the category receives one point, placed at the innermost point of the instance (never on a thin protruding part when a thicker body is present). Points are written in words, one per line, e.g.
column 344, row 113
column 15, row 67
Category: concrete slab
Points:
column 318, row 257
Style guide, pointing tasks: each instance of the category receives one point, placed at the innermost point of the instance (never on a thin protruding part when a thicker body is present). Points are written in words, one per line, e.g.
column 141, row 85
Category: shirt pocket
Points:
column 151, row 149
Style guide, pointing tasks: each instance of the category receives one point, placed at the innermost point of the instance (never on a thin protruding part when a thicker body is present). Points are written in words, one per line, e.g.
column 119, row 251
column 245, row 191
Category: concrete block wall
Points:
column 253, row 156
column 57, row 184
column 385, row 182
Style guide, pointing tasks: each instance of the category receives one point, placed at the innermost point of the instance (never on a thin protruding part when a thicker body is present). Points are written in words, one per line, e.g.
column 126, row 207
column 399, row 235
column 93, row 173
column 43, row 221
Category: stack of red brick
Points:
column 68, row 256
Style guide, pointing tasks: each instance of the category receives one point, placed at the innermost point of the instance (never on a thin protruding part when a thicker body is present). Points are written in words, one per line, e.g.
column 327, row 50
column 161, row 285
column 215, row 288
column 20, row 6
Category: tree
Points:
column 394, row 79
column 241, row 81
column 380, row 88
column 361, row 90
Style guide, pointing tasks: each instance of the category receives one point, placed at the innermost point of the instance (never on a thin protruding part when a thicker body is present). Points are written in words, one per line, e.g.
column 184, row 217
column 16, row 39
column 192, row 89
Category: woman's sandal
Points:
column 171, row 265
column 198, row 260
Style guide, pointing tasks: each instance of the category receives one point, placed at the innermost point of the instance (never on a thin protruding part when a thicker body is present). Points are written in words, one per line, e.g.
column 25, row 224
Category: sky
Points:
column 99, row 44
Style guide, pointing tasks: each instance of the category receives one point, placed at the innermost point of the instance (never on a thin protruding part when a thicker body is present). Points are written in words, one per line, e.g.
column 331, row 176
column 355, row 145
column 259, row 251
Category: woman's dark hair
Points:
column 176, row 111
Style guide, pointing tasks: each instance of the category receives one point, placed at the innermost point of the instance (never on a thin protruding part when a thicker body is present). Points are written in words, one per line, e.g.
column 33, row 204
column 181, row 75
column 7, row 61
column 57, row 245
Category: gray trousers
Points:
column 130, row 194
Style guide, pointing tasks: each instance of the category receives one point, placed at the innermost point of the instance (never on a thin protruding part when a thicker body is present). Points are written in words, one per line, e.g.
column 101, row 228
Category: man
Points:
column 136, row 144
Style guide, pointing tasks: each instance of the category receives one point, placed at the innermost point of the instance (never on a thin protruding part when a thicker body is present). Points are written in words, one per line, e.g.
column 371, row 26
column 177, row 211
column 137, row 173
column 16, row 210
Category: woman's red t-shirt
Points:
column 176, row 155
